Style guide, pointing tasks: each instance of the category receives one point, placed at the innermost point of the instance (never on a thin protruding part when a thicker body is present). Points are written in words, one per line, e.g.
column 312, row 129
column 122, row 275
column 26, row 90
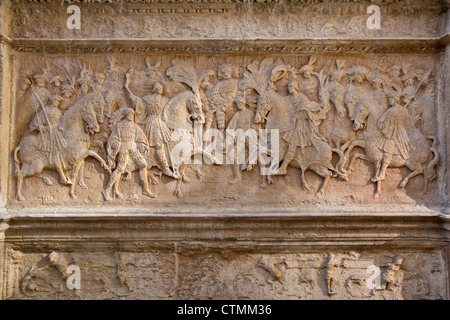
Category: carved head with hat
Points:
column 357, row 74
column 40, row 79
column 308, row 70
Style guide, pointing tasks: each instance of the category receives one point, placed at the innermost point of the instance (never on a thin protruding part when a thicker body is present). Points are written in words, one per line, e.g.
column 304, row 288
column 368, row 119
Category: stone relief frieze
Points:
column 285, row 20
column 229, row 275
column 328, row 117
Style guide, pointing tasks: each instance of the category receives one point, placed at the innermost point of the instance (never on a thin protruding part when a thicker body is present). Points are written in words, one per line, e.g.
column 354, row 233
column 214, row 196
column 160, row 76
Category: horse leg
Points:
column 378, row 190
column 46, row 180
column 409, row 177
column 19, row 185
column 74, row 177
column 381, row 174
column 182, row 170
column 81, row 182
column 353, row 159
column 323, row 172
column 344, row 146
column 27, row 170
column 93, row 154
column 305, row 184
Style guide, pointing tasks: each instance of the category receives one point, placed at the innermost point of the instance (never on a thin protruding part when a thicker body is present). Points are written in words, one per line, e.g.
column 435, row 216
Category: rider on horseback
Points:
column 50, row 139
column 396, row 125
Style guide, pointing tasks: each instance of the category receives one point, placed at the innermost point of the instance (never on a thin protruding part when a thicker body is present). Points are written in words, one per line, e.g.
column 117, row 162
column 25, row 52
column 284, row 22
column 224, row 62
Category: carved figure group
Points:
column 383, row 116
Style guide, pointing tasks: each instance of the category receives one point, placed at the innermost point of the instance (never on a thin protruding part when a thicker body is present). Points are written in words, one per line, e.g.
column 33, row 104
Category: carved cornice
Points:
column 249, row 232
column 226, row 46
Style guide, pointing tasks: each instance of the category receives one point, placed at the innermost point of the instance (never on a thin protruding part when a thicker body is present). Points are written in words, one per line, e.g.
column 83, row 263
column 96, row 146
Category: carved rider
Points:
column 310, row 84
column 378, row 94
column 148, row 114
column 50, row 139
column 396, row 125
column 355, row 94
column 127, row 143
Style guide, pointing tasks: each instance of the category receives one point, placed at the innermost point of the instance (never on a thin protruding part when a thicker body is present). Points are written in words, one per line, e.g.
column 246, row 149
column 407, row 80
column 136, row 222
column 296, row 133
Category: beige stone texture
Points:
column 354, row 207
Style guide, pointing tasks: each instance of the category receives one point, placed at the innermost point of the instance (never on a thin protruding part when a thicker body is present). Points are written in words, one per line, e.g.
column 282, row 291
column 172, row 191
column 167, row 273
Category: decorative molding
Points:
column 429, row 46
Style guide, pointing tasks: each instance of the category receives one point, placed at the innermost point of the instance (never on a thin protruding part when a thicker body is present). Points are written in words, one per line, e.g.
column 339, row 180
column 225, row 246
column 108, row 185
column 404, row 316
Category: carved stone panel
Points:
column 340, row 123
column 224, row 149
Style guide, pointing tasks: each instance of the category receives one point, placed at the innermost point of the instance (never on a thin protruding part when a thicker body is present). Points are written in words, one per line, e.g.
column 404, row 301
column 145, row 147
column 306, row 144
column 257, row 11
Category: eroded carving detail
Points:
column 326, row 119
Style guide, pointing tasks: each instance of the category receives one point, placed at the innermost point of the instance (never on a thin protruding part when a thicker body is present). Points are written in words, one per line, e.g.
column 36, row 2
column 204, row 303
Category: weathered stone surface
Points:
column 107, row 162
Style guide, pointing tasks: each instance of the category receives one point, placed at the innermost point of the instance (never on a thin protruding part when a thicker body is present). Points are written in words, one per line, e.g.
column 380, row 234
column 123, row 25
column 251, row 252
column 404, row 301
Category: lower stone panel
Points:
column 228, row 275
column 388, row 256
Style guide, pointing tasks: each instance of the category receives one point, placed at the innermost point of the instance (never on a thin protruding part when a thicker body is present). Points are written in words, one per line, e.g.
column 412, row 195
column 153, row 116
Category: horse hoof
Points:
column 179, row 194
column 106, row 196
column 234, row 181
column 186, row 179
column 150, row 194
column 118, row 195
column 82, row 185
column 20, row 198
column 48, row 181
column 402, row 185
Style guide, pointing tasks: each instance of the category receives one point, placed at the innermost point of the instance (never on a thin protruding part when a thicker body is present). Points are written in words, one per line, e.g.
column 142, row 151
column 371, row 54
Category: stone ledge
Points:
column 268, row 232
column 228, row 46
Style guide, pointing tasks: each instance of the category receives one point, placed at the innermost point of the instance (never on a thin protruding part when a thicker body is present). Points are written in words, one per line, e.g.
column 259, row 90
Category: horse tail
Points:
column 340, row 163
column 430, row 172
column 16, row 161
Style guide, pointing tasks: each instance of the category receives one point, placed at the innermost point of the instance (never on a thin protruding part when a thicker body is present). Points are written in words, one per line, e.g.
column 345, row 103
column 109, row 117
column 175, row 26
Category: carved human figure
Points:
column 409, row 89
column 396, row 125
column 330, row 275
column 148, row 111
column 341, row 133
column 355, row 94
column 303, row 128
column 50, row 139
column 84, row 81
column 301, row 132
column 378, row 94
column 40, row 94
column 309, row 84
column 67, row 92
column 112, row 88
column 393, row 80
column 243, row 120
column 127, row 143
column 221, row 96
column 56, row 82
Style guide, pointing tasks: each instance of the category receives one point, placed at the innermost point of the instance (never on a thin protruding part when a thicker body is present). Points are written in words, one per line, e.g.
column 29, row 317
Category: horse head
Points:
column 362, row 111
column 195, row 108
column 263, row 107
column 90, row 117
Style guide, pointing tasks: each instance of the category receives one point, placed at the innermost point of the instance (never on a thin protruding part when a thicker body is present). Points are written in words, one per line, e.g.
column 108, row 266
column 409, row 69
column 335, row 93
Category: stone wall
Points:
column 106, row 165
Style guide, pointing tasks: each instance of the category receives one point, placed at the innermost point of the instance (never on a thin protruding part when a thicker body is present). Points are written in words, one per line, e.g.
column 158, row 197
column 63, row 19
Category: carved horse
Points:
column 422, row 158
column 178, row 114
column 78, row 123
column 277, row 110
